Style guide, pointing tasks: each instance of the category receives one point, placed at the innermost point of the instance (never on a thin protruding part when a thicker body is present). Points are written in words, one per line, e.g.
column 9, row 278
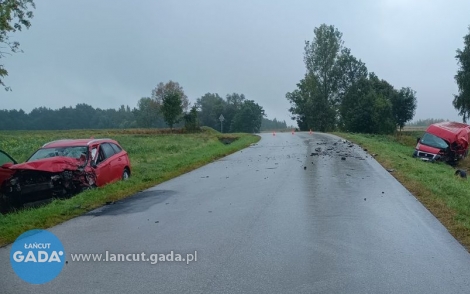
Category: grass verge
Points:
column 155, row 157
column 446, row 196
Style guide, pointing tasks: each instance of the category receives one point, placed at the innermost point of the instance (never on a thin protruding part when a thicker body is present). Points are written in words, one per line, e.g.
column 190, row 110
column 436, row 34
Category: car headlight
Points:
column 14, row 181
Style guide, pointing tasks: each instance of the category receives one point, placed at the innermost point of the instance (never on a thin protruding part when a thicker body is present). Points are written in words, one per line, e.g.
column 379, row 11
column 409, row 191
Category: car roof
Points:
column 454, row 127
column 450, row 127
column 450, row 131
column 77, row 142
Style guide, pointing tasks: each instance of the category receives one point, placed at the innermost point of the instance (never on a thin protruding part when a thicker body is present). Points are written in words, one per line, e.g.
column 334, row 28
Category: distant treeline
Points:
column 84, row 116
column 269, row 125
column 425, row 122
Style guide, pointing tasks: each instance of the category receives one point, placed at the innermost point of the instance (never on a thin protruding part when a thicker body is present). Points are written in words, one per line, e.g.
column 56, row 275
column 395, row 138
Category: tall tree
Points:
column 147, row 113
column 462, row 100
column 234, row 103
column 300, row 101
column 348, row 70
column 338, row 91
column 403, row 102
column 321, row 56
column 310, row 108
column 248, row 118
column 14, row 16
column 382, row 86
column 172, row 108
column 163, row 90
column 356, row 107
column 236, row 100
column 191, row 121
column 211, row 107
column 404, row 106
column 331, row 69
column 365, row 110
column 171, row 100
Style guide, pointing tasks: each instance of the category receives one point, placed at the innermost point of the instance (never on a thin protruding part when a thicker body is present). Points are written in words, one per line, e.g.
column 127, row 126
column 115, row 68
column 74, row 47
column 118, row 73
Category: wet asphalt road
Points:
column 262, row 223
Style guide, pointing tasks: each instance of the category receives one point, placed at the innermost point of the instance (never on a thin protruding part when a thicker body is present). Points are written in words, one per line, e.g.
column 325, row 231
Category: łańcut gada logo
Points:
column 37, row 256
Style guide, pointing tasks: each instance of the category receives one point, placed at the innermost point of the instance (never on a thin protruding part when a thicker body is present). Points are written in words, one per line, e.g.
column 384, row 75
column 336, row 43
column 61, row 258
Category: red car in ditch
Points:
column 62, row 168
column 445, row 141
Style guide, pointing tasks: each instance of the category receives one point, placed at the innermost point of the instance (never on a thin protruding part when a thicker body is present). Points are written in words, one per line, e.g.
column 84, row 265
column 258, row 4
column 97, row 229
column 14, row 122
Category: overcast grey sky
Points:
column 111, row 52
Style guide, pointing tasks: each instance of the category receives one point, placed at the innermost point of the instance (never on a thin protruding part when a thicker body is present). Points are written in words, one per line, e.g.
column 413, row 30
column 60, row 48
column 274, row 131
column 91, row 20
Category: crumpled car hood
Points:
column 52, row 164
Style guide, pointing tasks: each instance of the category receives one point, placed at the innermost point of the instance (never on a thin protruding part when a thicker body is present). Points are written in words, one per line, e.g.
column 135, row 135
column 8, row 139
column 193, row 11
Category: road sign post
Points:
column 221, row 118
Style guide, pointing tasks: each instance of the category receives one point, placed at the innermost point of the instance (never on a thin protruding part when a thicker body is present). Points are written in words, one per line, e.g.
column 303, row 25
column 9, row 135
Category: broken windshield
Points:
column 78, row 152
column 434, row 141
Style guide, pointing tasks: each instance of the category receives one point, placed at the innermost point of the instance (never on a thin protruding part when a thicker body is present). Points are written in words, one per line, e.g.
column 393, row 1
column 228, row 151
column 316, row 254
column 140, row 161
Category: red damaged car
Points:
column 62, row 168
column 446, row 141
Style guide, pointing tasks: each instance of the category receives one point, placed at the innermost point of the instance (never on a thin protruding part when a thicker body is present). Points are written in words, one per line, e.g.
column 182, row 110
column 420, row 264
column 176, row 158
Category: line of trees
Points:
column 239, row 114
column 168, row 106
column 462, row 100
column 82, row 116
column 169, row 103
column 338, row 92
column 425, row 122
column 271, row 125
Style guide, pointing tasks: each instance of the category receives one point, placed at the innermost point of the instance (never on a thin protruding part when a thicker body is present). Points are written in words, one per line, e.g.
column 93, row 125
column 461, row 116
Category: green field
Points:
column 434, row 184
column 155, row 157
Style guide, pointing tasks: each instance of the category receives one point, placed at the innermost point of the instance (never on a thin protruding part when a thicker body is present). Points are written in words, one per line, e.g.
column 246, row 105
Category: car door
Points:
column 102, row 165
column 5, row 162
column 115, row 162
column 121, row 160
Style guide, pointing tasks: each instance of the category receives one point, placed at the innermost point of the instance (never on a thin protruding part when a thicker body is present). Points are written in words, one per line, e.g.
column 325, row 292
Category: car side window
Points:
column 116, row 148
column 107, row 150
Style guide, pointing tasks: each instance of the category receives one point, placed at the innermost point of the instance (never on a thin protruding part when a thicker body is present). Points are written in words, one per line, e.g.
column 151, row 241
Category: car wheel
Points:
column 125, row 174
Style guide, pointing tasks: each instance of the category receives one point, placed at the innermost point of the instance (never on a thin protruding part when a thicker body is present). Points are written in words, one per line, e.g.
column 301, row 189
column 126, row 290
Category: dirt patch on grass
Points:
column 227, row 140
